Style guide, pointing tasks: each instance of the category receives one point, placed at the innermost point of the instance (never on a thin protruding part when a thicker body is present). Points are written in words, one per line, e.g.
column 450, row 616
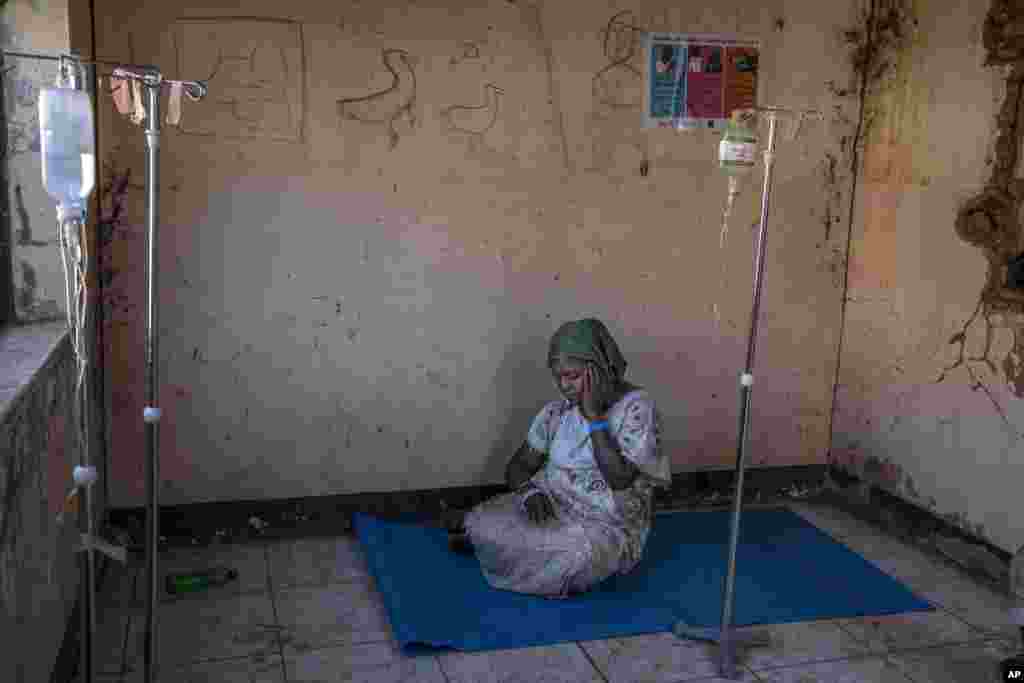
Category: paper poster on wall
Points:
column 698, row 80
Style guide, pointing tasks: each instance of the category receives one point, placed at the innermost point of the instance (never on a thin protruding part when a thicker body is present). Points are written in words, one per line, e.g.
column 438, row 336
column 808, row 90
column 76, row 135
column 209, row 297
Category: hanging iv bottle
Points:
column 737, row 152
column 68, row 147
column 737, row 155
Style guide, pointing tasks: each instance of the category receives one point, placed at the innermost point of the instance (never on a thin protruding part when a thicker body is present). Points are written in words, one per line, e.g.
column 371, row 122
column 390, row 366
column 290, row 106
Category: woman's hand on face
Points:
column 538, row 509
column 592, row 398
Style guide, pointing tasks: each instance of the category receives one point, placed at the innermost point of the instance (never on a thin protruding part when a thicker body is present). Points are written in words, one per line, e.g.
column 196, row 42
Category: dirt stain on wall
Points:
column 873, row 44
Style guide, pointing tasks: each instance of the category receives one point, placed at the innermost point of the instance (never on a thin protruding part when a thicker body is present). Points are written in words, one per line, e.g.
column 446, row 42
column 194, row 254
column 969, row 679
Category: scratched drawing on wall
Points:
column 256, row 76
column 621, row 43
column 474, row 120
column 389, row 105
column 616, row 146
column 469, row 51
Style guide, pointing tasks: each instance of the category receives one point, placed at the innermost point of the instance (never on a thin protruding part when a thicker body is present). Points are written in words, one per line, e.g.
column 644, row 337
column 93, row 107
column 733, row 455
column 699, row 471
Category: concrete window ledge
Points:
column 25, row 351
column 39, row 573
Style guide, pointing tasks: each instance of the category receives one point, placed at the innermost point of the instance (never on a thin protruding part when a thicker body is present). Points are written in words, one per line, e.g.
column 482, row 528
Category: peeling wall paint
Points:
column 922, row 408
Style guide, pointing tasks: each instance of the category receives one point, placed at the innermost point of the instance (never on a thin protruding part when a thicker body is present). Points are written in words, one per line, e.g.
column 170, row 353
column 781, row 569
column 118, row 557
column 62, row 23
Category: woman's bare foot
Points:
column 460, row 543
column 454, row 520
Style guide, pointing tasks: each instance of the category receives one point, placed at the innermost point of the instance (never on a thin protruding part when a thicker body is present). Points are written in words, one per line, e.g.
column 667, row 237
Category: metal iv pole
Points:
column 151, row 414
column 727, row 645
column 152, row 80
column 727, row 637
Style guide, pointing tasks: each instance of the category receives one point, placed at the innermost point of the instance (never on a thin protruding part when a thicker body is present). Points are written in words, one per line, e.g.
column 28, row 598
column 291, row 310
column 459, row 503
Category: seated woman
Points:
column 583, row 480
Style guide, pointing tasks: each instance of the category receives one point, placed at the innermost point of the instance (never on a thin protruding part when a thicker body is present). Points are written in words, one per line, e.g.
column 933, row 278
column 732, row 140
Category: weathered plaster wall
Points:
column 952, row 445
column 39, row 574
column 364, row 306
column 38, row 279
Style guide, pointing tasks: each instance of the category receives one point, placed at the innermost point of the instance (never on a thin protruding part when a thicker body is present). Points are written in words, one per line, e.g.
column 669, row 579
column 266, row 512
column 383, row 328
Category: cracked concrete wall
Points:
column 952, row 446
column 356, row 295
column 39, row 574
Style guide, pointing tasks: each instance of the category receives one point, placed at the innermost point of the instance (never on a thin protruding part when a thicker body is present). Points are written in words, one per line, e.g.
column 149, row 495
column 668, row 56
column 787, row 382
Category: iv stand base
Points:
column 736, row 639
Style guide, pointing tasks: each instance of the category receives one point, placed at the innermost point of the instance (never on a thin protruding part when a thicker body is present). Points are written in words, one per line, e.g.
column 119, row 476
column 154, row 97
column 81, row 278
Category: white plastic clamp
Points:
column 88, row 543
column 84, row 476
column 747, row 379
column 151, row 415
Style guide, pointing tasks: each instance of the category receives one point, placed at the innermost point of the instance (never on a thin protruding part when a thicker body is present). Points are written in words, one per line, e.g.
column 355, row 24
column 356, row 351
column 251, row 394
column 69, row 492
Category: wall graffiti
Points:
column 388, row 106
column 257, row 76
column 474, row 120
column 621, row 44
column 616, row 99
column 470, row 52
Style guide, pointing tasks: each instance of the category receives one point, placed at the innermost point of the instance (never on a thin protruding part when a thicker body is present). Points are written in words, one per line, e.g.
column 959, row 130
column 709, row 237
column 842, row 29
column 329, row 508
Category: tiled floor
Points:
column 307, row 611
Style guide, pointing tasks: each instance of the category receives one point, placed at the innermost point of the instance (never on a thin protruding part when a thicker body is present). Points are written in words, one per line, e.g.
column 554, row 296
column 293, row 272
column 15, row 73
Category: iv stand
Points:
column 151, row 414
column 727, row 637
column 152, row 80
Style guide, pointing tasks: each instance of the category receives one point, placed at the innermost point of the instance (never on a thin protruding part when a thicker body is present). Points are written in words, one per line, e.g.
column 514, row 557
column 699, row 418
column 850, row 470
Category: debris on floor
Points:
column 191, row 582
column 794, row 491
column 121, row 537
column 297, row 516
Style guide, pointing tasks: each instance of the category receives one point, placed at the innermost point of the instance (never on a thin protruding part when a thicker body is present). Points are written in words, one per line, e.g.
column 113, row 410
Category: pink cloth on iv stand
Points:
column 120, row 90
column 174, row 104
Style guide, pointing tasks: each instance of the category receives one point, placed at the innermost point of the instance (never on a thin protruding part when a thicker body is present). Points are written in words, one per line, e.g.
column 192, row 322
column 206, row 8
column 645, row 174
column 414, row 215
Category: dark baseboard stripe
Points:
column 915, row 524
column 239, row 521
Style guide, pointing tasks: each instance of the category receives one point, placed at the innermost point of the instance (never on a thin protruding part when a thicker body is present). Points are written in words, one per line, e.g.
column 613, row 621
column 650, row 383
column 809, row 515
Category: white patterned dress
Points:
column 596, row 532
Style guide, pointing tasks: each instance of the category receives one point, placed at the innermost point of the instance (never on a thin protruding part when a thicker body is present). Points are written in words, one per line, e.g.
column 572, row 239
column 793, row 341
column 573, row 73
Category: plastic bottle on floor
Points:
column 198, row 581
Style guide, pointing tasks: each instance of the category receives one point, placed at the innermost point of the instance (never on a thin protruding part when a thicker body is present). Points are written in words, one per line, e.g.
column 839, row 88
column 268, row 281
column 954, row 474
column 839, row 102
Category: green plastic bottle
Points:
column 197, row 581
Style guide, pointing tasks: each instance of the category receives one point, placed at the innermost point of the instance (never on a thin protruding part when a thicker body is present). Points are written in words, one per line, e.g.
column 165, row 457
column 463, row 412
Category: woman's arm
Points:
column 523, row 465
column 618, row 471
column 598, row 396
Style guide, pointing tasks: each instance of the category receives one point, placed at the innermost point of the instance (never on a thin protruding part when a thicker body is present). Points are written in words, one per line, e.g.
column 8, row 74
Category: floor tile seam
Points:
column 590, row 660
column 275, row 615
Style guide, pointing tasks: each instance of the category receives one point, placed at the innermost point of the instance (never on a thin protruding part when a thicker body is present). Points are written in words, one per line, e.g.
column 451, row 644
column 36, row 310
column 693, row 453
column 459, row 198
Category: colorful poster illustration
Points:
column 697, row 80
column 704, row 82
column 667, row 87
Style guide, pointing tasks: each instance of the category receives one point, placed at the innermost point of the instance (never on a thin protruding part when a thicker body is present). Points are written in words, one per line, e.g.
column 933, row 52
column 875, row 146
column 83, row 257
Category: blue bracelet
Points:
column 597, row 426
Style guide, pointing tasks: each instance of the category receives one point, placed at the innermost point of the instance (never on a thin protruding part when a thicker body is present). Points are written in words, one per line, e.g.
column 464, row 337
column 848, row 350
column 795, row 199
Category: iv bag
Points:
column 68, row 147
column 737, row 153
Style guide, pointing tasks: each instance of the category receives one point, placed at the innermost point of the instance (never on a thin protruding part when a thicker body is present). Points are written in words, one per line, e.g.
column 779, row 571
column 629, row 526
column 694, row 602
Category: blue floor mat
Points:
column 787, row 571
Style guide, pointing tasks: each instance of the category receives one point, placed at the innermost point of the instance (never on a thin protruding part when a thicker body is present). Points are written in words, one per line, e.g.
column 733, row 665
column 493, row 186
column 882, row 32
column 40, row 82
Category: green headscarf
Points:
column 589, row 340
